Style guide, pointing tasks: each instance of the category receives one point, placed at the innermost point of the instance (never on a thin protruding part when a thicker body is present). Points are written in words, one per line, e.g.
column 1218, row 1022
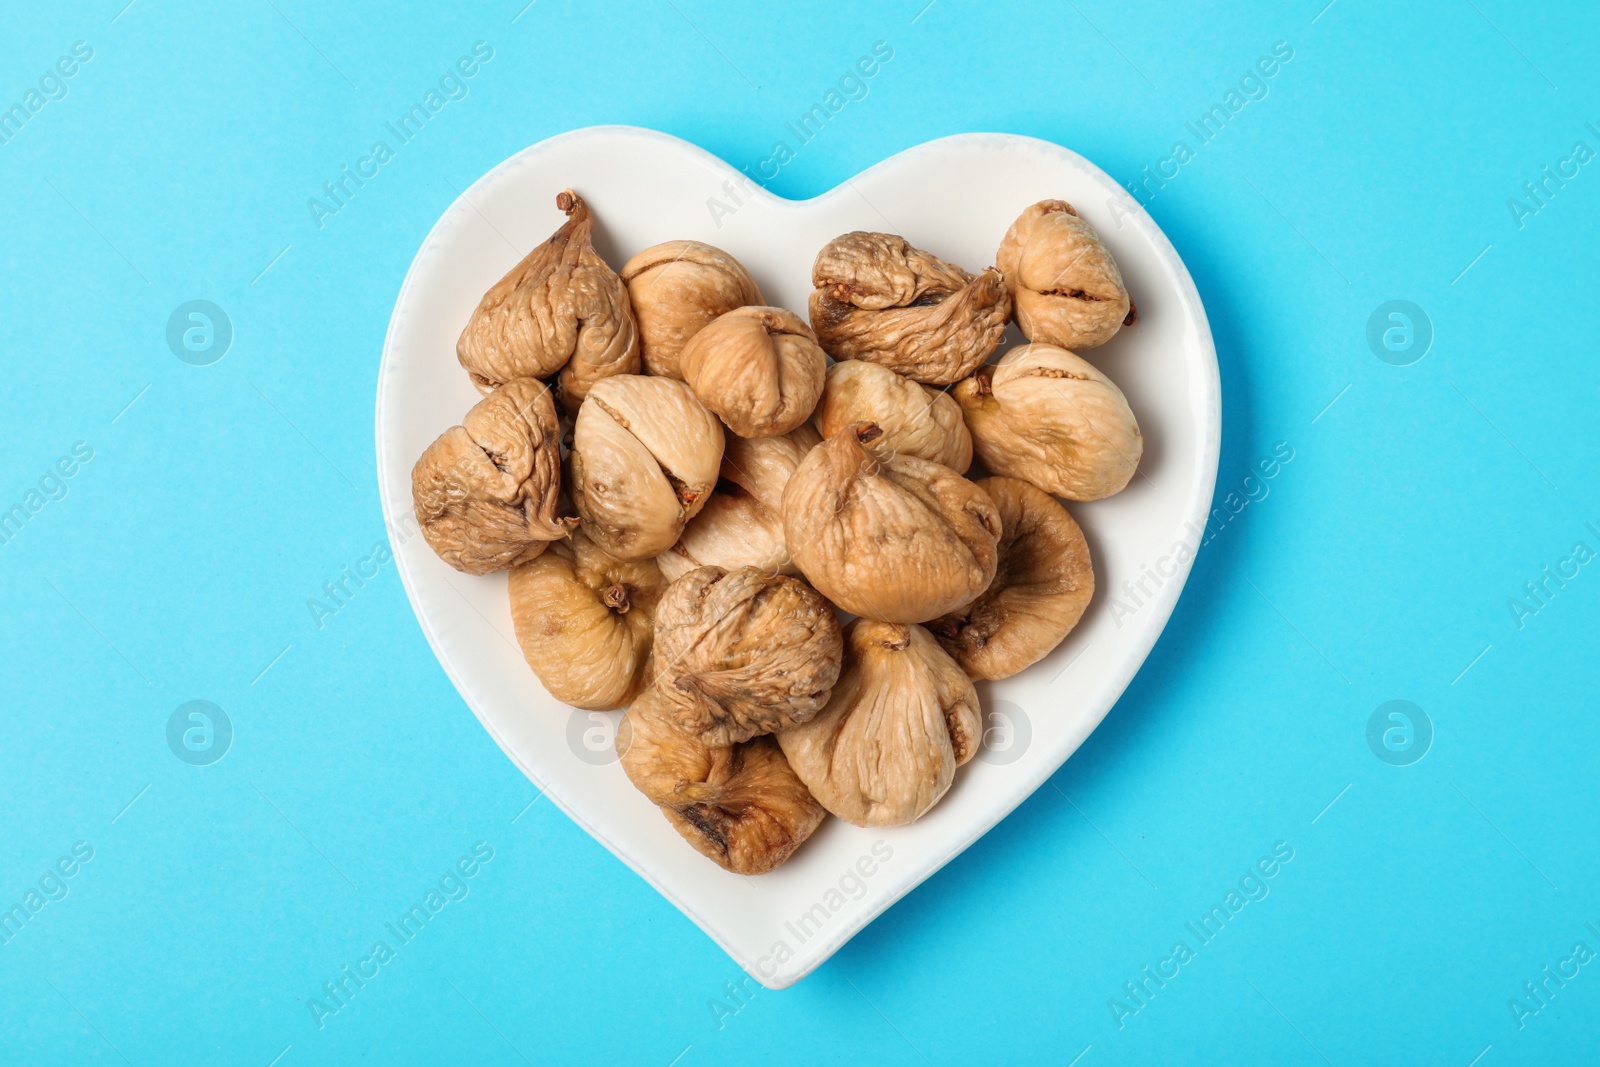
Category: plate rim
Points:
column 1193, row 514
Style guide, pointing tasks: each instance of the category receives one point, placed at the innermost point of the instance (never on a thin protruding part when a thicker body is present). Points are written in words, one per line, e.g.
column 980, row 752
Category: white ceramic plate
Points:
column 955, row 197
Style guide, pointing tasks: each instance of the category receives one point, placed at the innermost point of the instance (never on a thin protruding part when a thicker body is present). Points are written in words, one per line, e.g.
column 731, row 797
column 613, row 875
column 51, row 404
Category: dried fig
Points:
column 560, row 309
column 485, row 492
column 738, row 804
column 733, row 530
column 762, row 466
column 877, row 298
column 645, row 455
column 1047, row 416
column 742, row 523
column 1064, row 284
column 744, row 652
column 894, row 538
column 676, row 289
column 759, row 368
column 917, row 420
column 901, row 720
column 1041, row 587
column 584, row 620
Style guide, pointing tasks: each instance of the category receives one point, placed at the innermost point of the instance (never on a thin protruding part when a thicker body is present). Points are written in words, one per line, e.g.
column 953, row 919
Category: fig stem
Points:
column 868, row 432
column 617, row 598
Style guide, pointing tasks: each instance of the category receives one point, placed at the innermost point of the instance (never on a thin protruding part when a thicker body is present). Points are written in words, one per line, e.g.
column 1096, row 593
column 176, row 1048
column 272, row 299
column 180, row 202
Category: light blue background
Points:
column 1379, row 566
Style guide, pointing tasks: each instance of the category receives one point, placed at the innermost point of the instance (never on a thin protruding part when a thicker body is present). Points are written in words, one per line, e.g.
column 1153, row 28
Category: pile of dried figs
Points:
column 689, row 488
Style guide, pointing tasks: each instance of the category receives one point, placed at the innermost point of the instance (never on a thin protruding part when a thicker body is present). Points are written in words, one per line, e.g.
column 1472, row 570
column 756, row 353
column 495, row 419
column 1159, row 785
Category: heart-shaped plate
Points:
column 955, row 197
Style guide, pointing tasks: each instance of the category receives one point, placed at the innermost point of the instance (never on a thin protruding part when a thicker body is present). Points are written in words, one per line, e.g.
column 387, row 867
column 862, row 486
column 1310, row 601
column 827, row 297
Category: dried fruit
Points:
column 584, row 620
column 894, row 538
column 485, row 492
column 733, row 530
column 1041, row 587
column 676, row 289
column 760, row 368
column 762, row 466
column 645, row 455
column 742, row 523
column 560, row 309
column 901, row 720
column 1066, row 287
column 917, row 420
column 877, row 298
column 1047, row 416
column 744, row 652
column 740, row 805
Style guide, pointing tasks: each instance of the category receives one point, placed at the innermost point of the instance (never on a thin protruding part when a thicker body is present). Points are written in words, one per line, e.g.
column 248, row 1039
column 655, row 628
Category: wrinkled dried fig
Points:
column 762, row 466
column 1064, row 284
column 901, row 719
column 676, row 289
column 1041, row 587
column 742, row 523
column 894, row 538
column 584, row 620
column 733, row 530
column 759, row 368
column 739, row 804
column 561, row 308
column 1047, row 416
column 485, row 492
column 877, row 298
column 645, row 455
column 917, row 420
column 744, row 652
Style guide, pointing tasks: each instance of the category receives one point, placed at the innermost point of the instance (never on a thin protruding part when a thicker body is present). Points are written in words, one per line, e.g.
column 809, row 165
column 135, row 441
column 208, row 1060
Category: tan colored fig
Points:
column 584, row 620
column 645, row 455
column 762, row 466
column 1065, row 286
column 486, row 492
column 560, row 309
column 759, row 368
column 742, row 523
column 876, row 298
column 893, row 538
column 676, row 289
column 733, row 530
column 739, row 805
column 1040, row 589
column 1047, row 416
column 744, row 652
column 917, row 420
column 901, row 719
